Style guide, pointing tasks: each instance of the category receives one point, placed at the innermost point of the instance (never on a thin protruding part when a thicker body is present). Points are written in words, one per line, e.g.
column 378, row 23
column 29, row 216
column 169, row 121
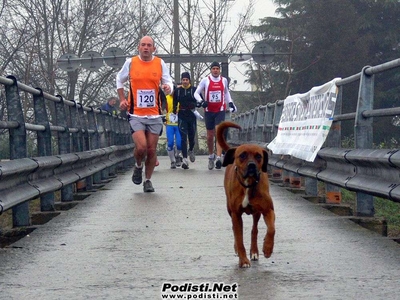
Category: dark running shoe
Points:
column 185, row 164
column 218, row 164
column 192, row 157
column 148, row 187
column 137, row 175
column 178, row 160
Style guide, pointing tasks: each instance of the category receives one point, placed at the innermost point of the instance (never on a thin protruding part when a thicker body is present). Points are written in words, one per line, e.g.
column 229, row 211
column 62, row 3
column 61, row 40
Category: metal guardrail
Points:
column 29, row 178
column 90, row 143
column 75, row 145
column 367, row 171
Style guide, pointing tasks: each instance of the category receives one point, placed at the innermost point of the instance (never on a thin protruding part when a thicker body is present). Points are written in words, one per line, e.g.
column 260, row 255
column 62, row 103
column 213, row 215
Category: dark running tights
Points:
column 187, row 128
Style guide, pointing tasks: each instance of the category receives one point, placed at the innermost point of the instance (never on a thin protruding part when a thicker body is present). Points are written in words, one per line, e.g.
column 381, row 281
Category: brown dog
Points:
column 247, row 191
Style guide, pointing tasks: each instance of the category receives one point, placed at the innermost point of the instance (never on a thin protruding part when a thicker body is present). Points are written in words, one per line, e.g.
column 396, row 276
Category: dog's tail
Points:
column 221, row 136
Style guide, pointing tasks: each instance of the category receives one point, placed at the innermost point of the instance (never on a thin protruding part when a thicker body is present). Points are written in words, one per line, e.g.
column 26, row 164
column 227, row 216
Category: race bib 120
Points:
column 146, row 98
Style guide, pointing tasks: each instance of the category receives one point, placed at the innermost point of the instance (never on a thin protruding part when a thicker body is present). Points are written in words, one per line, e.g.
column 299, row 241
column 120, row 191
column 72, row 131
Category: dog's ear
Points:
column 229, row 157
column 265, row 162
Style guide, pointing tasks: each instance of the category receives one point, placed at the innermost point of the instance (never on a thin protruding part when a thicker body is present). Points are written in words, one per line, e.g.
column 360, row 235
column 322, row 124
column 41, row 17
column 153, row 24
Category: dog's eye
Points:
column 258, row 157
column 243, row 155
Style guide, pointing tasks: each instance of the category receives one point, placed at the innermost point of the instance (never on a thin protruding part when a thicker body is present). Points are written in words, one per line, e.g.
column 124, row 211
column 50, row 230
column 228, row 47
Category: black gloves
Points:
column 232, row 107
column 203, row 104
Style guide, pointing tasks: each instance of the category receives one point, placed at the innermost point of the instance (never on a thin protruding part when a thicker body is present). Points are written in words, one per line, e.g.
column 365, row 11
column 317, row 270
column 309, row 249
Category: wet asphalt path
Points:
column 120, row 243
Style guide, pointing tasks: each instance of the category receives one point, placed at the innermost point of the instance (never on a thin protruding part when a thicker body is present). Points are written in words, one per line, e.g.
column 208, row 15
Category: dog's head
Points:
column 249, row 159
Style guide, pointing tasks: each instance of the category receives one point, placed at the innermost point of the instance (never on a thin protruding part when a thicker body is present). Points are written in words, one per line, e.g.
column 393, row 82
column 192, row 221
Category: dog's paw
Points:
column 254, row 256
column 267, row 249
column 244, row 263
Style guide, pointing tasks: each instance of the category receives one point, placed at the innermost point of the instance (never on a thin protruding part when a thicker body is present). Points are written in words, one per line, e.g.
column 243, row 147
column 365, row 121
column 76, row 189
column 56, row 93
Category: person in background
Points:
column 185, row 105
column 173, row 134
column 144, row 72
column 215, row 91
column 110, row 105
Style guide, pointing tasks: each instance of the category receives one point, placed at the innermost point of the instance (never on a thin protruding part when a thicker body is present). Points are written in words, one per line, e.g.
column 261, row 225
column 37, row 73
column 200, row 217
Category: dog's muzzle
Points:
column 251, row 171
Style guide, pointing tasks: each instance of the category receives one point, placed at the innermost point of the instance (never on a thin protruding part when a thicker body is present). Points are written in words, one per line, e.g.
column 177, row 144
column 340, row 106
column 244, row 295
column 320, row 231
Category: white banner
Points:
column 305, row 122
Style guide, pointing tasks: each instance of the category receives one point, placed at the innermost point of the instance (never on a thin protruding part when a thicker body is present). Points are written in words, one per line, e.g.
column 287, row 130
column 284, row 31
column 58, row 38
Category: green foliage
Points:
column 4, row 146
column 348, row 142
column 384, row 208
column 391, row 212
column 162, row 148
column 391, row 143
column 348, row 197
column 326, row 39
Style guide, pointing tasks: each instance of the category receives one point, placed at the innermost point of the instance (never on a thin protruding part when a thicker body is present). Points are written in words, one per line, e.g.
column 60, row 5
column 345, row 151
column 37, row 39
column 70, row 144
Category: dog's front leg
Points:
column 269, row 219
column 237, row 224
column 254, row 232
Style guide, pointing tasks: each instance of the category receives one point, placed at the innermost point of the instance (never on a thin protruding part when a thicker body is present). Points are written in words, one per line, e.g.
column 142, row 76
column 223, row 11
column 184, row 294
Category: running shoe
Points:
column 178, row 160
column 185, row 164
column 218, row 164
column 137, row 175
column 192, row 157
column 148, row 187
column 211, row 162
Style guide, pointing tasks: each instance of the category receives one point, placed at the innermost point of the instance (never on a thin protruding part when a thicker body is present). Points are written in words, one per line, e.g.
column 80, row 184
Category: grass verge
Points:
column 384, row 208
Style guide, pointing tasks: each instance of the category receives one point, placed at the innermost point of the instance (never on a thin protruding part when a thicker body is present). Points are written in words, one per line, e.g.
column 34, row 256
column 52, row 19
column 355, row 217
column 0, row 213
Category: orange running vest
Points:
column 144, row 79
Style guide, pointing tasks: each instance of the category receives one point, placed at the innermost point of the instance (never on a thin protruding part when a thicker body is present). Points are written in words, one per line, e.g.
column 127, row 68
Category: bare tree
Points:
column 203, row 30
column 36, row 33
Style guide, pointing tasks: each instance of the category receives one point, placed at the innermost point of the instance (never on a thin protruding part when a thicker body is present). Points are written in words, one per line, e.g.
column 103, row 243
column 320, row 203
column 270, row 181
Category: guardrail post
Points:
column 113, row 140
column 119, row 133
column 311, row 186
column 64, row 144
column 240, row 121
column 101, row 127
column 294, row 180
column 77, row 137
column 259, row 123
column 245, row 127
column 88, row 181
column 251, row 131
column 20, row 212
column 268, row 122
column 44, row 143
column 333, row 193
column 108, row 134
column 84, row 128
column 277, row 173
column 286, row 178
column 363, row 136
column 277, row 118
column 94, row 139
column 75, row 123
